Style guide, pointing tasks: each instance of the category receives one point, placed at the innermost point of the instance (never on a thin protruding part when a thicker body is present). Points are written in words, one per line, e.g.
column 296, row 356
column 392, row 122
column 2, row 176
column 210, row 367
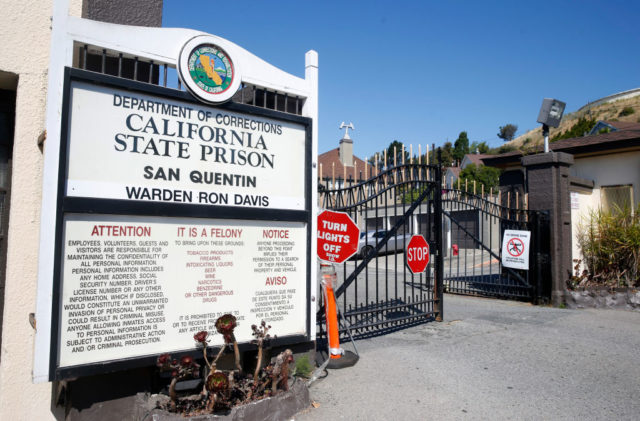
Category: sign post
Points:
column 417, row 254
column 338, row 236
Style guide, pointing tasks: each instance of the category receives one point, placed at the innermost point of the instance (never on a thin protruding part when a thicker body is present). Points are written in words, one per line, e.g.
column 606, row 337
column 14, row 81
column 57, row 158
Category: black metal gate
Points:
column 473, row 227
column 377, row 293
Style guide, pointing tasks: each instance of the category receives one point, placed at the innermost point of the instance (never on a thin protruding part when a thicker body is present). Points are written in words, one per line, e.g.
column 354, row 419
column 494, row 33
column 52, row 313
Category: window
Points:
column 615, row 198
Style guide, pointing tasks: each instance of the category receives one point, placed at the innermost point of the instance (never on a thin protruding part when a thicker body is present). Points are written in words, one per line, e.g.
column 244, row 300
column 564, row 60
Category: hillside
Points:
column 605, row 111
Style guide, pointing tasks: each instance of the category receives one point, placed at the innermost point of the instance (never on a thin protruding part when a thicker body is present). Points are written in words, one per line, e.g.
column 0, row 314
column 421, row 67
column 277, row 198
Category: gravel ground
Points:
column 492, row 359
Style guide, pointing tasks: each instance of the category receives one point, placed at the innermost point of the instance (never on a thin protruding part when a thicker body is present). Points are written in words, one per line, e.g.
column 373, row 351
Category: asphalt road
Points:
column 492, row 359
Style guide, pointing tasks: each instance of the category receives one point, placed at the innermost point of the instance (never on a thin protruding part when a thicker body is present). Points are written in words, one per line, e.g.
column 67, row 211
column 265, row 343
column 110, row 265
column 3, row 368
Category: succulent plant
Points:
column 217, row 381
column 224, row 390
column 225, row 326
column 202, row 337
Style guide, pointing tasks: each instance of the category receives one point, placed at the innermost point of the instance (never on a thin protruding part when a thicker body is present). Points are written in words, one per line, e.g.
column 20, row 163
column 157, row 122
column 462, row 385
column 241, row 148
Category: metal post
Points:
column 437, row 222
column 534, row 222
column 545, row 133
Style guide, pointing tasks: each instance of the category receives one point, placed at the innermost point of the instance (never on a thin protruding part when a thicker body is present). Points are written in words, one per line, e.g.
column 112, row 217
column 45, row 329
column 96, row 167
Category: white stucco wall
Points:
column 606, row 170
column 75, row 8
column 25, row 31
column 25, row 34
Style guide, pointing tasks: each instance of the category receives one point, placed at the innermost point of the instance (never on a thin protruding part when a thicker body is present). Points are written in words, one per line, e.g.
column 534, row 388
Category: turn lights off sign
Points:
column 337, row 236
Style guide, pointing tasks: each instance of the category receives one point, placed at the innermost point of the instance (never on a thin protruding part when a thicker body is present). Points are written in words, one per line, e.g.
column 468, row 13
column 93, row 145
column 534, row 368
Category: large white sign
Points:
column 136, row 286
column 127, row 145
column 515, row 249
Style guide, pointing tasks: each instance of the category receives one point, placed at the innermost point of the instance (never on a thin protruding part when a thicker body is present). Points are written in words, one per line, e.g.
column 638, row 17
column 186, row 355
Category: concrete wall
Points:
column 124, row 12
column 25, row 33
column 75, row 8
column 606, row 170
column 615, row 97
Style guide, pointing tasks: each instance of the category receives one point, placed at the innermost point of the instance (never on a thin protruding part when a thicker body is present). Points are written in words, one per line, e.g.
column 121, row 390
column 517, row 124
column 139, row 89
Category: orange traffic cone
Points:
column 337, row 355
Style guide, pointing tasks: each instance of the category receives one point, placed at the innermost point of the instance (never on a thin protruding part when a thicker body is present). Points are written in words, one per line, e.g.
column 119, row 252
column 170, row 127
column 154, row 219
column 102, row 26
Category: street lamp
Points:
column 550, row 115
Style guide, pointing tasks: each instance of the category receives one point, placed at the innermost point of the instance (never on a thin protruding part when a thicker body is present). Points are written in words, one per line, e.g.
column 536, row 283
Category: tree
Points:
column 481, row 147
column 393, row 146
column 446, row 151
column 461, row 147
column 447, row 155
column 507, row 132
column 396, row 147
column 483, row 175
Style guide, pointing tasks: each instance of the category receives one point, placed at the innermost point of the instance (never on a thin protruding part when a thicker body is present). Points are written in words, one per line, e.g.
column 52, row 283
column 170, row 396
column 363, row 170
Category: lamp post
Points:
column 550, row 116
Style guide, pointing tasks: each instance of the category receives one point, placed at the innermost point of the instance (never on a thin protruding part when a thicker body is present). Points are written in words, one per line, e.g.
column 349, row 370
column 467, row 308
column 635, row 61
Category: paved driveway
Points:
column 492, row 359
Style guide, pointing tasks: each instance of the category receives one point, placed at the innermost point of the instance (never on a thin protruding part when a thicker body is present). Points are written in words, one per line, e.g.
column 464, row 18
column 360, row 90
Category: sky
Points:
column 423, row 71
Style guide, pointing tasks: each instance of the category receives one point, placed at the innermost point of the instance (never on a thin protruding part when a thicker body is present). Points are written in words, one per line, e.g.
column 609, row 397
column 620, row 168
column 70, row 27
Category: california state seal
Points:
column 207, row 70
column 211, row 69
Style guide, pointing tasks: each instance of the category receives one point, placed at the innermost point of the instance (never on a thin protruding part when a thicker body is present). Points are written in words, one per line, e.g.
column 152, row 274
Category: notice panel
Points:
column 135, row 146
column 135, row 286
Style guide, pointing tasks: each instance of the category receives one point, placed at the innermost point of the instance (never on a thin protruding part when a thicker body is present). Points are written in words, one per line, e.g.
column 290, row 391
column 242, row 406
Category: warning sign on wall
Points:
column 515, row 249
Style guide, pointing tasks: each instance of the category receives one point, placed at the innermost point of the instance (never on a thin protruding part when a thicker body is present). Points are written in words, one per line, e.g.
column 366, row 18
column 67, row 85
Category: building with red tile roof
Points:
column 340, row 162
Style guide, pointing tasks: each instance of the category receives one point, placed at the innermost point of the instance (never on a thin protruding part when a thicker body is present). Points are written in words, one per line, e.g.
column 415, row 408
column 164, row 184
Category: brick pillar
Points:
column 548, row 187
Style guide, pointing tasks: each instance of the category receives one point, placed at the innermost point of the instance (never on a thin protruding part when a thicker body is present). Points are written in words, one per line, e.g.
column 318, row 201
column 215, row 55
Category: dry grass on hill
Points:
column 606, row 111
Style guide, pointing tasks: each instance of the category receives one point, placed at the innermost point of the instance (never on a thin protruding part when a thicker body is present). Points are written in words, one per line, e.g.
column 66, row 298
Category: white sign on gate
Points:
column 515, row 249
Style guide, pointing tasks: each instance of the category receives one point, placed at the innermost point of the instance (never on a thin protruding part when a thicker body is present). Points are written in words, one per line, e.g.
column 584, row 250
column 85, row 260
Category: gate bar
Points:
column 437, row 222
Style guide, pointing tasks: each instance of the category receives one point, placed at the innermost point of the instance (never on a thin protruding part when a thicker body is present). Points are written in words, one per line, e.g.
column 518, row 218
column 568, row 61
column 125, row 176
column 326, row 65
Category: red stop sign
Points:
column 337, row 236
column 417, row 254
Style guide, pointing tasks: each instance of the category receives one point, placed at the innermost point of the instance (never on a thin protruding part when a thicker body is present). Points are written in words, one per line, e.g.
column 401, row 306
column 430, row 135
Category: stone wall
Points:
column 618, row 298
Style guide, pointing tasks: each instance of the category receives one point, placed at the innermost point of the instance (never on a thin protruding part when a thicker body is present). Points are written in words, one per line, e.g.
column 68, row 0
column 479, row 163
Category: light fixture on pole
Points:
column 550, row 116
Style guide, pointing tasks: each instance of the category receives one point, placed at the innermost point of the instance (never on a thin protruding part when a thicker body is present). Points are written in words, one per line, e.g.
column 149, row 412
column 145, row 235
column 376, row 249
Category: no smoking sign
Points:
column 515, row 249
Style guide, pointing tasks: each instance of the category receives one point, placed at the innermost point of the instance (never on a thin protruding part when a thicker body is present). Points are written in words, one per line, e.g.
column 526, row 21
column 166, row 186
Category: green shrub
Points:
column 410, row 194
column 482, row 175
column 610, row 245
column 626, row 111
column 582, row 126
column 303, row 367
column 502, row 149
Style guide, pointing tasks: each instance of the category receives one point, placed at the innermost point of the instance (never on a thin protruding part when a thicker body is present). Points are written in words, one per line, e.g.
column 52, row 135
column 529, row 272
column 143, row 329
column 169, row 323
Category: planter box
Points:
column 143, row 406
